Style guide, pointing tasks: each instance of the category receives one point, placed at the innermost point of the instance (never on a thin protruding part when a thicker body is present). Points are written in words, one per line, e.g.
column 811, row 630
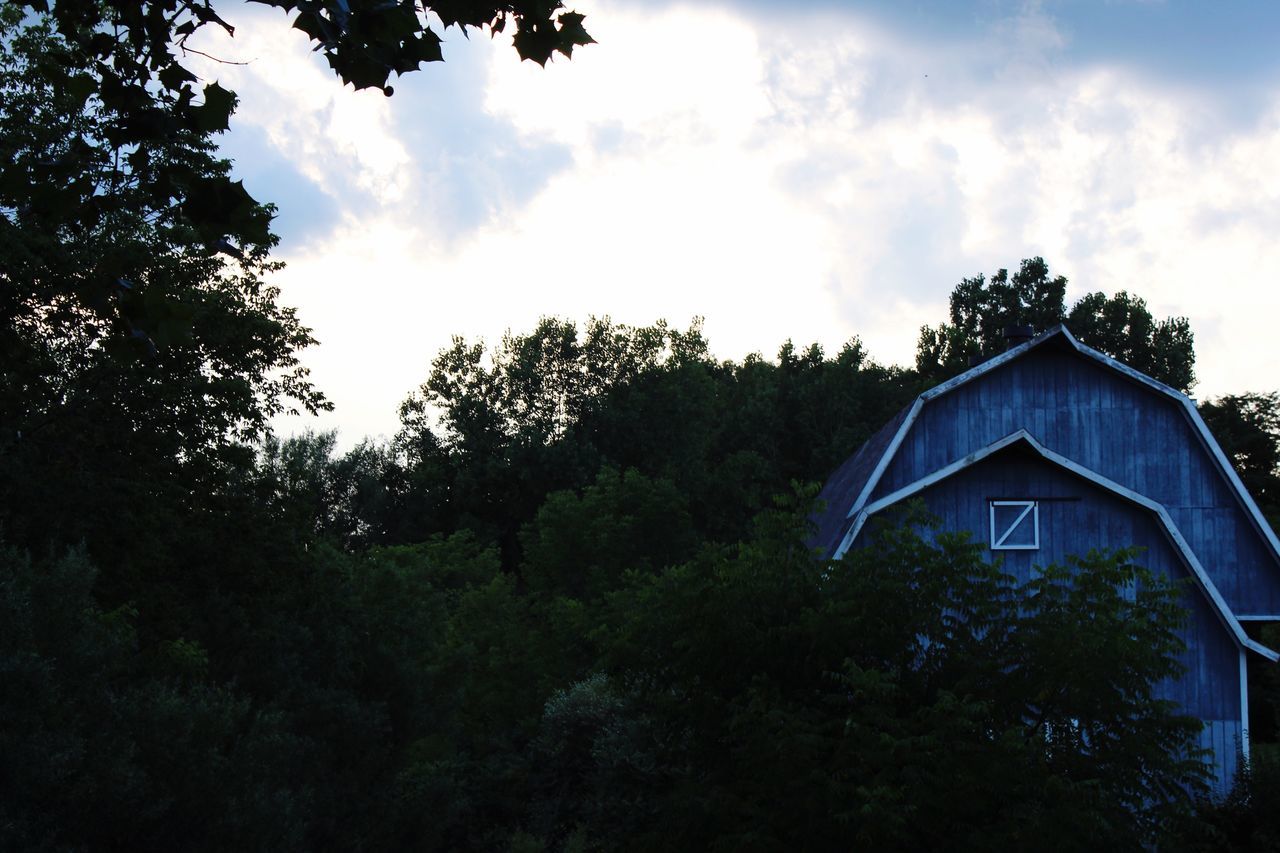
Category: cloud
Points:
column 814, row 177
column 657, row 78
column 271, row 176
column 431, row 152
column 337, row 138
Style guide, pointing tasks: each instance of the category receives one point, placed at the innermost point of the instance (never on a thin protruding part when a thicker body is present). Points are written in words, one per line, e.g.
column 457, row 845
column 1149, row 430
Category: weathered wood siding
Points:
column 1076, row 516
column 1116, row 427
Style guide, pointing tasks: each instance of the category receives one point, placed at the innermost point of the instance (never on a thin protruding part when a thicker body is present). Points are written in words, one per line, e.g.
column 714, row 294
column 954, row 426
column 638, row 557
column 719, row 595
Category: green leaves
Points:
column 217, row 207
column 116, row 68
column 214, row 115
column 538, row 38
column 581, row 546
column 572, row 33
column 423, row 48
column 364, row 43
column 79, row 87
column 912, row 677
column 1120, row 326
column 174, row 76
column 316, row 27
column 1247, row 426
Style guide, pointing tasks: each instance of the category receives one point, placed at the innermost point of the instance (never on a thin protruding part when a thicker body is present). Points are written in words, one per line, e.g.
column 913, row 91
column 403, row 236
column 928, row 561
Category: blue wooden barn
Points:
column 1053, row 448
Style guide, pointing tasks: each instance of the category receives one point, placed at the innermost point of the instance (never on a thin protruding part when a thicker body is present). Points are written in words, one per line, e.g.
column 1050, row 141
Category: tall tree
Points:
column 1120, row 326
column 1123, row 328
column 981, row 309
column 138, row 356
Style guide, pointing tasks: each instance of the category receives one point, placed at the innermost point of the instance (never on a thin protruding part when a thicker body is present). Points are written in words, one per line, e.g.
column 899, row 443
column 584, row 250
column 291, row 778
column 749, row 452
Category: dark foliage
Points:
column 1120, row 326
column 557, row 612
column 1247, row 426
column 634, row 677
column 547, row 410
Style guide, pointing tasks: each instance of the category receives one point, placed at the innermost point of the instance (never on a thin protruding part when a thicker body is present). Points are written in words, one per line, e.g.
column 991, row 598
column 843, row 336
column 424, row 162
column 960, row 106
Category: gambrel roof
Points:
column 861, row 485
column 849, row 490
column 849, row 479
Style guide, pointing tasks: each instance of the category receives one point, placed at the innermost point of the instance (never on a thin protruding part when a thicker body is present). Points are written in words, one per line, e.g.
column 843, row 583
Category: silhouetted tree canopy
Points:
column 564, row 612
column 1247, row 426
column 1120, row 326
column 138, row 360
column 564, row 609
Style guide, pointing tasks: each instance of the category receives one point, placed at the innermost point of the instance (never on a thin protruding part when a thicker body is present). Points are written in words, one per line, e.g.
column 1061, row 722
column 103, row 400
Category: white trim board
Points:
column 1198, row 425
column 1244, row 706
column 887, row 456
column 1001, row 543
column 1207, row 588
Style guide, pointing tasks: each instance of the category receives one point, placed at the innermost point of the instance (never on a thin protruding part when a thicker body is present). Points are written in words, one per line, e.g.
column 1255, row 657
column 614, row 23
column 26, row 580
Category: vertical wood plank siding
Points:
column 1210, row 689
column 1089, row 517
column 1112, row 425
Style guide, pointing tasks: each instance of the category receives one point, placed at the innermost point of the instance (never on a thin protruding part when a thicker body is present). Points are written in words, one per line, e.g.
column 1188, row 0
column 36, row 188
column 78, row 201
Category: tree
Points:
column 1123, row 328
column 581, row 546
column 1247, row 426
column 981, row 309
column 138, row 357
column 597, row 776
column 1246, row 819
column 97, row 215
column 1120, row 326
column 911, row 696
column 493, row 431
column 135, row 44
column 110, row 743
column 512, row 423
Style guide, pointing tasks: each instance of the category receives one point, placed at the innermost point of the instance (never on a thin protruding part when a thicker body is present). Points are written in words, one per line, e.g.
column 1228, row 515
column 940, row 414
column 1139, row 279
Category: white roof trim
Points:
column 993, row 362
column 1251, row 508
column 924, row 483
column 938, row 390
column 1188, row 407
column 1210, row 443
column 1171, row 530
column 1244, row 706
column 887, row 456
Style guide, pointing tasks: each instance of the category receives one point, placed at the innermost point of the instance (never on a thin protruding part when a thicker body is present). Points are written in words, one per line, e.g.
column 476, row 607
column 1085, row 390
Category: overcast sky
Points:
column 813, row 171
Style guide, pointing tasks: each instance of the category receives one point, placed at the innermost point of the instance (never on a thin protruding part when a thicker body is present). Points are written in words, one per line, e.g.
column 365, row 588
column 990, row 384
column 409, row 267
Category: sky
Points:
column 810, row 171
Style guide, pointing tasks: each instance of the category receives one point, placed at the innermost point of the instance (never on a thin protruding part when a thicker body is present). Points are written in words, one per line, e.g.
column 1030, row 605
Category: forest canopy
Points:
column 568, row 606
column 573, row 612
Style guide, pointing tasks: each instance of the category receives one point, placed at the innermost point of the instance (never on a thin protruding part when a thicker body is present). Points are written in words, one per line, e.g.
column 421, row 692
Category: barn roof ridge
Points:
column 1164, row 519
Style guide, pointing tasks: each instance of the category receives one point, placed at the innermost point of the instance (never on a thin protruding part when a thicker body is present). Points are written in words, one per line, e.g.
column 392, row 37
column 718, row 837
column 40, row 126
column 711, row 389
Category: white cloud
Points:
column 658, row 77
column 337, row 137
column 812, row 179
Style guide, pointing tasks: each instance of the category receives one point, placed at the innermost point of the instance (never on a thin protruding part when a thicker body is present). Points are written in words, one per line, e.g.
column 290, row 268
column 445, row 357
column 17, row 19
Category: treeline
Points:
column 567, row 607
